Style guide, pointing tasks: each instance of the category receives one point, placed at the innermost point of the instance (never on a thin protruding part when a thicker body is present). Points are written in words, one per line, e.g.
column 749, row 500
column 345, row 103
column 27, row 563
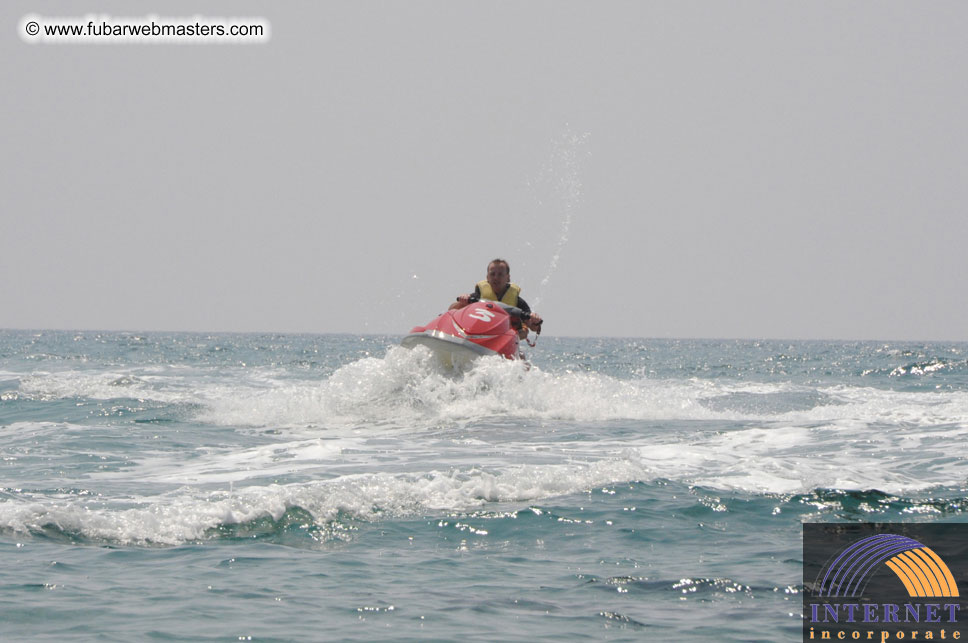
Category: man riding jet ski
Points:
column 480, row 323
column 498, row 287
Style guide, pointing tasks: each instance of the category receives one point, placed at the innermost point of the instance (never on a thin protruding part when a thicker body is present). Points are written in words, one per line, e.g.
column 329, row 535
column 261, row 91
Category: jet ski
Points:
column 481, row 328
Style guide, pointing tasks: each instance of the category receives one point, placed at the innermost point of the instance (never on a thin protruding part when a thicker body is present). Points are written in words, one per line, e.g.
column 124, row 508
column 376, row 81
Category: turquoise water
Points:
column 322, row 487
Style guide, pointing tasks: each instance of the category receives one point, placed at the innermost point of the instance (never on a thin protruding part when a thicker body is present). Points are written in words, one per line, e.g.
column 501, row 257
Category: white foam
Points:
column 103, row 385
column 233, row 465
column 771, row 459
column 406, row 389
column 789, row 459
column 18, row 430
column 189, row 515
column 377, row 417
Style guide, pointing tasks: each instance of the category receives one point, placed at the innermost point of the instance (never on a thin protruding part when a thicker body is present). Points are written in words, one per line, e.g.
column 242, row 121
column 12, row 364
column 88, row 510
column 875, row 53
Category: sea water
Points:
column 224, row 487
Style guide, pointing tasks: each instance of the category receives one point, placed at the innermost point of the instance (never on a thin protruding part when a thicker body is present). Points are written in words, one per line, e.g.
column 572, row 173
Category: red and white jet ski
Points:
column 480, row 328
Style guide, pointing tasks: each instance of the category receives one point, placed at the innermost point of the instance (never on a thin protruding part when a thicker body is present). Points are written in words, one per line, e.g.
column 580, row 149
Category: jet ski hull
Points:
column 448, row 349
column 462, row 335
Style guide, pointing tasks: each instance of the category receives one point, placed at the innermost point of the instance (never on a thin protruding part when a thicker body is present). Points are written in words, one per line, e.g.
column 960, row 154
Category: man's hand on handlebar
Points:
column 462, row 301
column 534, row 322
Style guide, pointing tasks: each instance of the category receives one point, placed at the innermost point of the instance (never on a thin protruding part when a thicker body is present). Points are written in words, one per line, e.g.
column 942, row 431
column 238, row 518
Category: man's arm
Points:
column 535, row 322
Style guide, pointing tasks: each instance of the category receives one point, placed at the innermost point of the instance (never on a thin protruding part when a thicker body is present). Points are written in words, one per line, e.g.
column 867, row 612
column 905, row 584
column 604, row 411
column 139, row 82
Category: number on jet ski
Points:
column 483, row 314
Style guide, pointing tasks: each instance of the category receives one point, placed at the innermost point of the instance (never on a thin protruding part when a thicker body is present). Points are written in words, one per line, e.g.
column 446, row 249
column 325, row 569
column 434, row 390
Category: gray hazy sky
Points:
column 659, row 169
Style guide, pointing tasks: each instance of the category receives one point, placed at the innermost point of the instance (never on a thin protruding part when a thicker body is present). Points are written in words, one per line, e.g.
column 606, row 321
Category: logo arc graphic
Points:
column 920, row 570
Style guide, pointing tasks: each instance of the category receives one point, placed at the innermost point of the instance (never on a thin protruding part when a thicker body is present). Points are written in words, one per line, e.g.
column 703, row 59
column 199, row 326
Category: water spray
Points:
column 564, row 170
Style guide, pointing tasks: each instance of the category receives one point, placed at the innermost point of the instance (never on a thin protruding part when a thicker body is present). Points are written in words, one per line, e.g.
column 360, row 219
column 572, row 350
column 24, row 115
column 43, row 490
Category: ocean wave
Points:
column 764, row 462
column 871, row 505
column 928, row 367
column 189, row 516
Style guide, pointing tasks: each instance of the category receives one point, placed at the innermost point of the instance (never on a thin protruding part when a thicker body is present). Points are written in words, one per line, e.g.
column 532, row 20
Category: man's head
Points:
column 498, row 275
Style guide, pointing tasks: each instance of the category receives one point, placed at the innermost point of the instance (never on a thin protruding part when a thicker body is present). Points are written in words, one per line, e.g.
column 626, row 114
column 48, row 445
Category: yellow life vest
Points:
column 510, row 295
